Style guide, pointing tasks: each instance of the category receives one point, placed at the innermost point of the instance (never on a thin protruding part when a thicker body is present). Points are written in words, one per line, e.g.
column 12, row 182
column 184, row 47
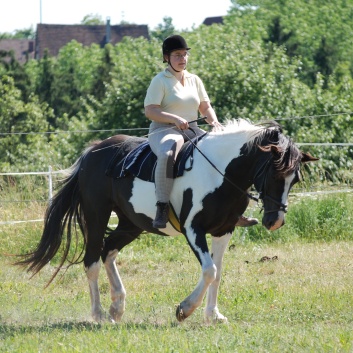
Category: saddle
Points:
column 136, row 158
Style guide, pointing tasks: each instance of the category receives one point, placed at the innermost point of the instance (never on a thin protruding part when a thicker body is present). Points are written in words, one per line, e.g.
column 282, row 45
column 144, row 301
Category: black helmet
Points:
column 174, row 42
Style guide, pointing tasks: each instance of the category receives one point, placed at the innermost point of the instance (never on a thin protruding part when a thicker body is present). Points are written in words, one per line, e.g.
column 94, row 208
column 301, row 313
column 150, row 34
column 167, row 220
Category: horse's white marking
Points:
column 92, row 273
column 287, row 183
column 147, row 203
column 117, row 290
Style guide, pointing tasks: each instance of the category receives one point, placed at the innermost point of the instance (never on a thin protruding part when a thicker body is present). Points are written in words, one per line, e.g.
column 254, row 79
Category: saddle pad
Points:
column 141, row 161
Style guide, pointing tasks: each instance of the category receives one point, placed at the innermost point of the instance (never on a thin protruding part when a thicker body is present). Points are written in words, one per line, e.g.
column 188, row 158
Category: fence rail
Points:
column 49, row 174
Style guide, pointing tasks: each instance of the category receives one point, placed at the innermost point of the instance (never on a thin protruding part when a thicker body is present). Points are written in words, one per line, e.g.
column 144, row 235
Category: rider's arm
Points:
column 155, row 113
column 206, row 110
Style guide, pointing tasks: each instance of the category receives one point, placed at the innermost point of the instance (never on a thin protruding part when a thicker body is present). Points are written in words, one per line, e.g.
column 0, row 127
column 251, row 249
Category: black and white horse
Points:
column 207, row 199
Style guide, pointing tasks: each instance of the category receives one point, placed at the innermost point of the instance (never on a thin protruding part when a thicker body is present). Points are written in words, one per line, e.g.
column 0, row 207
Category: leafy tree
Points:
column 278, row 36
column 92, row 19
column 14, row 69
column 309, row 22
column 163, row 30
column 325, row 59
column 26, row 33
column 103, row 73
column 20, row 146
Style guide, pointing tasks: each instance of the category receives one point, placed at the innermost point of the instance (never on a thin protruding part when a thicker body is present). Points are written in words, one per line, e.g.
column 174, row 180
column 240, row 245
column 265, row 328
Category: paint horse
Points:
column 208, row 199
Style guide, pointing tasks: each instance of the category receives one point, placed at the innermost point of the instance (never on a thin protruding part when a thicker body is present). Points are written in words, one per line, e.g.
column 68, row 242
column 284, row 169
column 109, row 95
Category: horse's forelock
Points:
column 289, row 157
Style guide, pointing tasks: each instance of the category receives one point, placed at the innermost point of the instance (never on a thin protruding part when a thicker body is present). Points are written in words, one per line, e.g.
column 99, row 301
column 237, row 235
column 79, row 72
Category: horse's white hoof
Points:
column 215, row 318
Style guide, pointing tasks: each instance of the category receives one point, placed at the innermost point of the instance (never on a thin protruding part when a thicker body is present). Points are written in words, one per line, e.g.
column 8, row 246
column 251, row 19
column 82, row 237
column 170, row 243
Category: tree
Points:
column 26, row 33
column 163, row 30
column 92, row 19
column 15, row 70
column 278, row 36
column 307, row 22
column 325, row 59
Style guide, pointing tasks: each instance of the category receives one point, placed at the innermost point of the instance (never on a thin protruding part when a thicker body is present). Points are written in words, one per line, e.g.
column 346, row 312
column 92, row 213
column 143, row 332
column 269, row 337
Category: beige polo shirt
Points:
column 167, row 92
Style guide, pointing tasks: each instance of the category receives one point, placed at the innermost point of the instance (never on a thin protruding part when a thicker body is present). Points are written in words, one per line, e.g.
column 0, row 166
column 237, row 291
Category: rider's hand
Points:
column 181, row 124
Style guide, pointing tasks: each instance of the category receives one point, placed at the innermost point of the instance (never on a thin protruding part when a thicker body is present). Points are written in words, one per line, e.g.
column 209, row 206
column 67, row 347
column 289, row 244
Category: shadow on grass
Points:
column 7, row 330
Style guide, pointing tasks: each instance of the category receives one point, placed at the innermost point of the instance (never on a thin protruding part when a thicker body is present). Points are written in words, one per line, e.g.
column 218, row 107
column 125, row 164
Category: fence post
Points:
column 50, row 179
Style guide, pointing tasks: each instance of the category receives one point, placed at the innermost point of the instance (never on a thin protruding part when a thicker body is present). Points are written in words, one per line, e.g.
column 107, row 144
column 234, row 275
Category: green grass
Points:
column 301, row 302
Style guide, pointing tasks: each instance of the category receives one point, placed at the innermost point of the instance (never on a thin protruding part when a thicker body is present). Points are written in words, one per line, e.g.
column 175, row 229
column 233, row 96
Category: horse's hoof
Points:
column 116, row 313
column 180, row 314
column 215, row 317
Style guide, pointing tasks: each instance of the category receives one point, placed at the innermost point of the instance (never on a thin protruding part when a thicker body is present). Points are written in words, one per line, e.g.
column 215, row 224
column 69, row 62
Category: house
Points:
column 23, row 49
column 211, row 20
column 54, row 37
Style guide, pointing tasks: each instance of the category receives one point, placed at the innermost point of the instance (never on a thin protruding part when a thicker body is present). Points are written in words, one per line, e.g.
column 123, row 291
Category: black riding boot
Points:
column 161, row 216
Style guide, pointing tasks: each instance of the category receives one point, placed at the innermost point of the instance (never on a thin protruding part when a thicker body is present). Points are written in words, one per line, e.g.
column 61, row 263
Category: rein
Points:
column 252, row 197
column 263, row 170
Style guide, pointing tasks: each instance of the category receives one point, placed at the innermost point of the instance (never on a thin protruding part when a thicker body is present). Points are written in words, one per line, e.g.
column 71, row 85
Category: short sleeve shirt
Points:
column 167, row 92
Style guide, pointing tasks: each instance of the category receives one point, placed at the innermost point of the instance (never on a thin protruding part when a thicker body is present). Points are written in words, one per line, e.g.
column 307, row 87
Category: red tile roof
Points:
column 54, row 37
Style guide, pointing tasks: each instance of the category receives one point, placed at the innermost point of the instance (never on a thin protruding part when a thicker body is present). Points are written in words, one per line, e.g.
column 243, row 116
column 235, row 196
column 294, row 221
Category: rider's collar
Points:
column 167, row 73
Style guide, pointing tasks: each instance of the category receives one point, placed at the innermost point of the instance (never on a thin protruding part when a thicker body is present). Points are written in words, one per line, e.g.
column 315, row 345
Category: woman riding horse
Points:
column 173, row 99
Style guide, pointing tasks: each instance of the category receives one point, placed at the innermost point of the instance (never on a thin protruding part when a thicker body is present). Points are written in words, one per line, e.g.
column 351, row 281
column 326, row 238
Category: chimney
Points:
column 107, row 30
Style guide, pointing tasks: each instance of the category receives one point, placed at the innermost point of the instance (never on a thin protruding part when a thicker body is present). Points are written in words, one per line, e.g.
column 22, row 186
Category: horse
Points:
column 208, row 198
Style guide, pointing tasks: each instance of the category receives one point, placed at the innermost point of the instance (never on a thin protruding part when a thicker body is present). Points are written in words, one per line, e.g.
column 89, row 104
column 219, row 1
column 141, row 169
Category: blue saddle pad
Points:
column 141, row 161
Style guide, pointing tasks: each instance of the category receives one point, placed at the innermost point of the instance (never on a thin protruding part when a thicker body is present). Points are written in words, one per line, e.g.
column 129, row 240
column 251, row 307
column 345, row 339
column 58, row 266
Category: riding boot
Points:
column 161, row 216
column 246, row 222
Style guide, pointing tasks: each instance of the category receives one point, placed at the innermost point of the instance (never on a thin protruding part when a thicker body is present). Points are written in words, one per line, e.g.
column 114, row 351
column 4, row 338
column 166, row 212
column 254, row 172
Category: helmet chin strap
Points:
column 173, row 67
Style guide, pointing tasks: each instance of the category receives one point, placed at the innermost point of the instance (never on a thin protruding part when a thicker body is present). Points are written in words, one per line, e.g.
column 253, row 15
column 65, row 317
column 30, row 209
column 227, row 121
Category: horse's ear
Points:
column 274, row 149
column 307, row 157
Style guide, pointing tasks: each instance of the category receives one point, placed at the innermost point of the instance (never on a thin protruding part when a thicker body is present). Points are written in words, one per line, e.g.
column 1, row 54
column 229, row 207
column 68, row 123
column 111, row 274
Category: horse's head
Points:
column 278, row 173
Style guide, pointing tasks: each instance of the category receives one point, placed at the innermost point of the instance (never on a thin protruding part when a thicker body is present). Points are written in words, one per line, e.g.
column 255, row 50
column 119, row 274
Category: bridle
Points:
column 263, row 171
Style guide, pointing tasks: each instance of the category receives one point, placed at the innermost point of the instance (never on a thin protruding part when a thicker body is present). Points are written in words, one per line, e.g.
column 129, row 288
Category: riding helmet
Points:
column 174, row 42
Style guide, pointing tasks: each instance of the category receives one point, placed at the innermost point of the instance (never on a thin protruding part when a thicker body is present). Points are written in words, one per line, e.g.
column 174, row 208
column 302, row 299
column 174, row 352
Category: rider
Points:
column 173, row 99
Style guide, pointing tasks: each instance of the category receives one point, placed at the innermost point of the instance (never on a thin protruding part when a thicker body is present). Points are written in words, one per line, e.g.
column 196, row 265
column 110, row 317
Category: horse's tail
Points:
column 63, row 213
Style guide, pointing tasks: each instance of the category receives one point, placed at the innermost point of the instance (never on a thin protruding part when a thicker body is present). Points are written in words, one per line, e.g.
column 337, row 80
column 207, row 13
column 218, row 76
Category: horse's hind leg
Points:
column 95, row 227
column 125, row 233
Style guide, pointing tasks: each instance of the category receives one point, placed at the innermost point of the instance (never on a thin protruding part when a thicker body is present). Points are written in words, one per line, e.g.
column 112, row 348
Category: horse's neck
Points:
column 224, row 147
column 231, row 152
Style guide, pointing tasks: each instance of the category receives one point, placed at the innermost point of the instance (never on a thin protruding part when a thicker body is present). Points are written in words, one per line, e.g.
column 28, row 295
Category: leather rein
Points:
column 262, row 171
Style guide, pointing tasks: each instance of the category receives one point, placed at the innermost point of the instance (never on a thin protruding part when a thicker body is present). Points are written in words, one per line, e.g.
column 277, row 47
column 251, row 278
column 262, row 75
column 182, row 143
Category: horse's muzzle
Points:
column 273, row 220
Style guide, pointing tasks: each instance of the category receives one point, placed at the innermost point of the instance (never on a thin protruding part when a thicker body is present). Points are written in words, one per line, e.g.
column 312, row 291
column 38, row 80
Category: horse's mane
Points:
column 287, row 155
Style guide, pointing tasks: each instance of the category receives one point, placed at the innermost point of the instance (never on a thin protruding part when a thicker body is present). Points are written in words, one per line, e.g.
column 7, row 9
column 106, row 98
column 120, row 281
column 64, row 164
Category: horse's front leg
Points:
column 198, row 244
column 219, row 245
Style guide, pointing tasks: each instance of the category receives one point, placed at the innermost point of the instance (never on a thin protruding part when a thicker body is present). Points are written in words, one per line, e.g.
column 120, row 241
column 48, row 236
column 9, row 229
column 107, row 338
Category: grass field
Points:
column 301, row 302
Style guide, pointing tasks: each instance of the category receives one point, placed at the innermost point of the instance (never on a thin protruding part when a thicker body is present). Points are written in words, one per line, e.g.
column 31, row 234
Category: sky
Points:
column 22, row 14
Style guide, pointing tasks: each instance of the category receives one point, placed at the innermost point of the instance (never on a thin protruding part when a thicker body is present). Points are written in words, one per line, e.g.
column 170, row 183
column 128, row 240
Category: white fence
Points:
column 50, row 173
